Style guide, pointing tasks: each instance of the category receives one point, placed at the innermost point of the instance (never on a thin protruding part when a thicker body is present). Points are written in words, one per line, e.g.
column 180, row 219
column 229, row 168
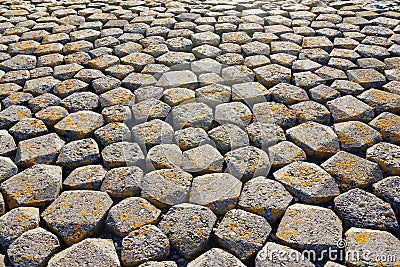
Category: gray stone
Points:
column 387, row 124
column 228, row 137
column 122, row 154
column 203, row 159
column 358, row 208
column 76, row 215
column 387, row 156
column 216, row 257
column 79, row 125
column 188, row 228
column 7, row 143
column 7, row 168
column 123, row 182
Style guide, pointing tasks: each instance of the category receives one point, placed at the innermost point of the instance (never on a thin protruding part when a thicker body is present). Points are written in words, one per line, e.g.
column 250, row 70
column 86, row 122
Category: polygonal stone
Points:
column 380, row 244
column 366, row 77
column 123, row 182
column 347, row 87
column 130, row 214
column 288, row 94
column 37, row 186
column 308, row 182
column 317, row 42
column 249, row 93
column 317, row 140
column 28, row 128
column 203, row 159
column 242, row 233
column 80, row 101
column 235, row 113
column 358, row 208
column 271, row 112
column 228, row 137
column 285, row 153
column 12, row 115
column 154, row 132
column 164, row 156
column 112, row 133
column 323, row 93
column 122, row 154
column 191, row 137
column 265, row 197
column 78, row 125
column 381, row 101
column 19, row 62
column 33, row 248
column 41, row 85
column 387, row 124
column 347, row 108
column 214, row 93
column 267, row 257
column 188, row 228
column 39, row 150
column 166, row 187
column 311, row 111
column 16, row 222
column 118, row 96
column 307, row 79
column 76, row 215
column 218, row 191
column 237, row 74
column 86, row 177
column 145, row 244
column 79, row 153
column 351, row 171
column 388, row 190
column 387, row 156
column 197, row 115
column 309, row 227
column 89, row 252
column 216, row 257
column 273, row 74
column 150, row 109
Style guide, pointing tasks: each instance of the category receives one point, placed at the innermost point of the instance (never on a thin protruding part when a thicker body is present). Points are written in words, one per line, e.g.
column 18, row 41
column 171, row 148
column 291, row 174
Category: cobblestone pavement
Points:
column 199, row 133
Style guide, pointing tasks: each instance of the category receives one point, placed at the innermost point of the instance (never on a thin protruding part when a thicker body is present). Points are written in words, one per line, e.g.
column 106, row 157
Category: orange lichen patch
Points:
column 362, row 238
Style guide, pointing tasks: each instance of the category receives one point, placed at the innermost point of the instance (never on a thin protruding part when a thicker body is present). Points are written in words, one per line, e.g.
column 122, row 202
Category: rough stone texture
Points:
column 308, row 182
column 359, row 208
column 309, row 227
column 33, row 248
column 242, row 233
column 76, row 215
column 183, row 219
column 216, row 257
column 379, row 243
column 387, row 189
column 89, row 252
column 387, row 156
column 36, row 186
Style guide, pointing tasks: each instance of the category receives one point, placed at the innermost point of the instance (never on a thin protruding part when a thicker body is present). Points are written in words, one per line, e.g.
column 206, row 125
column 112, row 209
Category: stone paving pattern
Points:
column 199, row 133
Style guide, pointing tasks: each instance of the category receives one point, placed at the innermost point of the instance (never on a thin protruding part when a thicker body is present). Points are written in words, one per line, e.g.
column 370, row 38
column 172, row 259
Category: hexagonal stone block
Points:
column 37, row 186
column 76, row 215
column 355, row 136
column 264, row 135
column 7, row 168
column 285, row 153
column 188, row 228
column 154, row 132
column 311, row 111
column 387, row 156
column 197, row 115
column 309, row 227
column 7, row 143
column 317, row 140
column 265, row 197
column 288, row 257
column 122, row 154
column 250, row 92
column 85, row 177
column 388, row 189
column 203, row 159
column 367, row 77
column 123, row 182
column 228, row 137
column 273, row 74
column 271, row 112
column 149, row 109
column 79, row 153
column 89, row 252
column 288, row 94
column 381, row 101
column 216, row 257
column 387, row 124
column 164, row 156
column 242, row 233
column 308, row 182
column 317, row 42
column 349, row 108
column 131, row 214
column 359, row 208
column 247, row 162
column 183, row 78
column 39, row 150
column 235, row 113
column 33, row 248
column 217, row 191
column 16, row 222
column 166, row 187
column 28, row 128
column 380, row 246
column 79, row 125
column 143, row 245
column 191, row 137
column 351, row 171
column 12, row 115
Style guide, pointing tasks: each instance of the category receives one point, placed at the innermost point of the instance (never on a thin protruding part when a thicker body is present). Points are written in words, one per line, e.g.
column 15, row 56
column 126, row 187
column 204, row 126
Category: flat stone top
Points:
column 198, row 133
